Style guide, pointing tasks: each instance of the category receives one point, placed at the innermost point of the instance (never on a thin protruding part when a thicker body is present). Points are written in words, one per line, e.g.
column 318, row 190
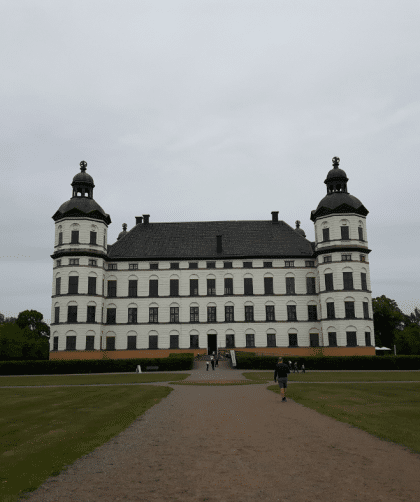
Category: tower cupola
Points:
column 336, row 179
column 83, row 183
column 299, row 230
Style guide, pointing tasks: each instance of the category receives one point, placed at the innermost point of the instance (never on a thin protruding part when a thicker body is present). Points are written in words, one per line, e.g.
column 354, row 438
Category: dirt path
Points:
column 240, row 444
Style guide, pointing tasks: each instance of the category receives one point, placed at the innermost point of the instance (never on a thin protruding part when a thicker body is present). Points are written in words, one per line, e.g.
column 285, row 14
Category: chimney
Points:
column 146, row 218
column 219, row 243
column 139, row 219
column 274, row 216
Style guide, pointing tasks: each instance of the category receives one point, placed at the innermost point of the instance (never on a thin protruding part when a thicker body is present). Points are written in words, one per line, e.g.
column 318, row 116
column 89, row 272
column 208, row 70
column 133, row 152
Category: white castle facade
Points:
column 199, row 286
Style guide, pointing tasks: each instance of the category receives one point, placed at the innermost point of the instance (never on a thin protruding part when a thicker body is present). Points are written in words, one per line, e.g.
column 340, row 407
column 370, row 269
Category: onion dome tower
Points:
column 80, row 252
column 342, row 251
column 123, row 233
column 299, row 230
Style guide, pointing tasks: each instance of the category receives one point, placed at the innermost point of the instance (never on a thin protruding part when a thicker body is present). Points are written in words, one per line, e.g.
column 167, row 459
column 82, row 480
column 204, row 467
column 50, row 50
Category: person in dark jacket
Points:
column 280, row 374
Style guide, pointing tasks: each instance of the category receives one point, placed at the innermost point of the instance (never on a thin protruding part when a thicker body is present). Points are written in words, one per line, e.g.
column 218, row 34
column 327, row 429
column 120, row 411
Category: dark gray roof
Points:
column 336, row 173
column 340, row 202
column 82, row 206
column 197, row 240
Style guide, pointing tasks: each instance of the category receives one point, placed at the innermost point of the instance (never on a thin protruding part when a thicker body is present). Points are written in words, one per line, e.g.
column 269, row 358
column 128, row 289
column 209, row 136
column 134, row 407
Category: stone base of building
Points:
column 269, row 351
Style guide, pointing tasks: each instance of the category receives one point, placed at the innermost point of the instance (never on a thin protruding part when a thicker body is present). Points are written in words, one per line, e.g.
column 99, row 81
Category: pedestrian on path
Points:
column 303, row 368
column 207, row 364
column 280, row 374
column 290, row 365
column 212, row 362
column 217, row 360
column 295, row 369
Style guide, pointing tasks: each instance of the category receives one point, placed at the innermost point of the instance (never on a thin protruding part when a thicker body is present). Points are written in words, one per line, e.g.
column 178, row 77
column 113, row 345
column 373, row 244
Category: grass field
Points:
column 43, row 430
column 345, row 376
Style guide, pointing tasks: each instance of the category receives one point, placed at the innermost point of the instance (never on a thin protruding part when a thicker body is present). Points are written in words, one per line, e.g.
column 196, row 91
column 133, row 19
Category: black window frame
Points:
column 58, row 285
column 153, row 315
column 193, row 287
column 174, row 265
column 91, row 314
column 227, row 264
column 229, row 313
column 91, row 285
column 310, row 286
column 112, row 289
column 74, row 237
column 112, row 266
column 131, row 342
column 60, row 238
column 290, row 286
column 348, row 281
column 194, row 342
column 368, row 339
column 271, row 340
column 194, row 314
column 73, row 261
column 72, row 314
column 366, row 310
column 345, row 233
column 133, row 266
column 268, row 285
column 111, row 315
column 70, row 342
column 249, row 313
column 332, row 339
column 174, row 287
column 293, row 340
column 211, row 314
column 363, row 280
column 153, row 342
column 248, row 286
column 309, row 263
column 314, row 339
column 58, row 263
column 351, row 338
column 346, row 257
column 289, row 264
column 193, row 265
column 349, row 309
column 360, row 229
column 270, row 313
column 73, row 285
column 211, row 287
column 228, row 283
column 230, row 341
column 93, row 237
column 174, row 341
column 92, row 262
column 247, row 264
column 249, row 340
column 154, row 266
column 90, row 342
column 211, row 264
column 329, row 281
column 291, row 313
column 153, row 288
column 56, row 315
column 174, row 315
column 132, row 315
column 325, row 235
column 312, row 313
column 268, row 264
column 133, row 288
column 330, row 310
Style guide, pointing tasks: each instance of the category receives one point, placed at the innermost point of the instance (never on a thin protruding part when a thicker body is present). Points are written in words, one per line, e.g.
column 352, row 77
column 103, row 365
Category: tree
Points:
column 33, row 320
column 387, row 320
column 407, row 341
column 4, row 320
column 12, row 341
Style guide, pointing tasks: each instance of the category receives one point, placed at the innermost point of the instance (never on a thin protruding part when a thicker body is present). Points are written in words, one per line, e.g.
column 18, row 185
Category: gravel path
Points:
column 240, row 444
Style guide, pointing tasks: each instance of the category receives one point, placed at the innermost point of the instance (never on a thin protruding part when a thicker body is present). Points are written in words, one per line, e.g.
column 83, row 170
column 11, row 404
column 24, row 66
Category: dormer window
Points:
column 362, row 257
column 133, row 266
column 327, row 259
column 112, row 266
column 289, row 263
column 346, row 257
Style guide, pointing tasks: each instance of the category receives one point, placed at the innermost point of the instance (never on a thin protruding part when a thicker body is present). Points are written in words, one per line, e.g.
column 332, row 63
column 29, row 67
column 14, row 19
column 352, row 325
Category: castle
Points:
column 257, row 286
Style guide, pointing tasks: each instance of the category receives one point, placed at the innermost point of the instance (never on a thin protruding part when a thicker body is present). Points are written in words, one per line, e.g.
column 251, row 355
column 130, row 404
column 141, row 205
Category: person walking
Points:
column 207, row 364
column 290, row 366
column 217, row 360
column 296, row 368
column 212, row 362
column 280, row 374
column 303, row 368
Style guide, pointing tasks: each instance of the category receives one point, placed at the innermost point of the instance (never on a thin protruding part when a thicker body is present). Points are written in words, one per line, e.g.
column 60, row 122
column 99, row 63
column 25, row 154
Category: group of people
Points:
column 214, row 360
column 295, row 367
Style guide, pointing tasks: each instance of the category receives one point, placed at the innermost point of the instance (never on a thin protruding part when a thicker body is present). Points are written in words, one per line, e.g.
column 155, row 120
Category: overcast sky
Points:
column 208, row 110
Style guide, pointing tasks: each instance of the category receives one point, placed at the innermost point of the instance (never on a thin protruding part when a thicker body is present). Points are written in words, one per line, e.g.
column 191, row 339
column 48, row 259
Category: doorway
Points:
column 211, row 344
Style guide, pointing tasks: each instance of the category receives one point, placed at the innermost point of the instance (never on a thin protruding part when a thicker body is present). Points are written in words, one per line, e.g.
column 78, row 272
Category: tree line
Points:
column 27, row 336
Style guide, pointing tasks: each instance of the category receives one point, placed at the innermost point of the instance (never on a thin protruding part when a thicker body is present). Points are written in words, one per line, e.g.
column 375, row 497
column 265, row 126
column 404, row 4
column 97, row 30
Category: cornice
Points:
column 338, row 249
column 94, row 254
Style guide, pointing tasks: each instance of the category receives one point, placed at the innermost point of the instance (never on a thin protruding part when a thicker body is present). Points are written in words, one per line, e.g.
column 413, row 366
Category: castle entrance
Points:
column 211, row 344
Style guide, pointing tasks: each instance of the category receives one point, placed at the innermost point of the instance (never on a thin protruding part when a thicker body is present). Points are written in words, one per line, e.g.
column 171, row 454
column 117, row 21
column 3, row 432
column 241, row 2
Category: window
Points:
column 153, row 288
column 174, row 313
column 174, row 341
column 247, row 264
column 330, row 310
column 345, row 233
column 268, row 286
column 309, row 263
column 269, row 313
column 368, row 342
column 329, row 285
column 312, row 315
column 349, row 306
column 310, row 286
column 248, row 288
column 193, row 341
column 313, row 340
column 58, row 286
column 230, row 341
column 110, row 343
column 112, row 289
column 327, row 259
column 325, row 234
column 70, row 343
column 131, row 342
column 290, row 285
column 268, row 264
column 211, row 264
column 91, row 311
column 93, row 263
column 211, row 287
column 194, row 314
column 293, row 342
column 332, row 339
column 55, row 343
column 153, row 314
column 174, row 287
column 133, row 266
column 60, row 238
column 366, row 310
column 174, row 266
column 346, row 257
column 112, row 266
column 111, row 316
column 193, row 265
column 211, row 314
column 91, row 285
column 291, row 313
column 56, row 315
column 132, row 288
column 362, row 257
column 271, row 340
column 154, row 266
column 289, row 264
column 227, row 264
column 153, row 342
column 90, row 342
column 363, row 279
column 361, row 234
column 104, row 239
column 92, row 238
column 229, row 313
column 74, row 261
column 351, row 339
column 228, row 286
column 193, row 287
column 250, row 340
column 74, row 237
column 132, row 315
column 73, row 285
column 348, row 280
column 58, row 263
column 249, row 312
column 72, row 313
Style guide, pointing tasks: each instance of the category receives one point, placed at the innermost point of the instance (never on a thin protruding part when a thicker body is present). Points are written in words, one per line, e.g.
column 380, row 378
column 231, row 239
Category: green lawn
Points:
column 348, row 376
column 90, row 379
column 388, row 411
column 43, row 430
